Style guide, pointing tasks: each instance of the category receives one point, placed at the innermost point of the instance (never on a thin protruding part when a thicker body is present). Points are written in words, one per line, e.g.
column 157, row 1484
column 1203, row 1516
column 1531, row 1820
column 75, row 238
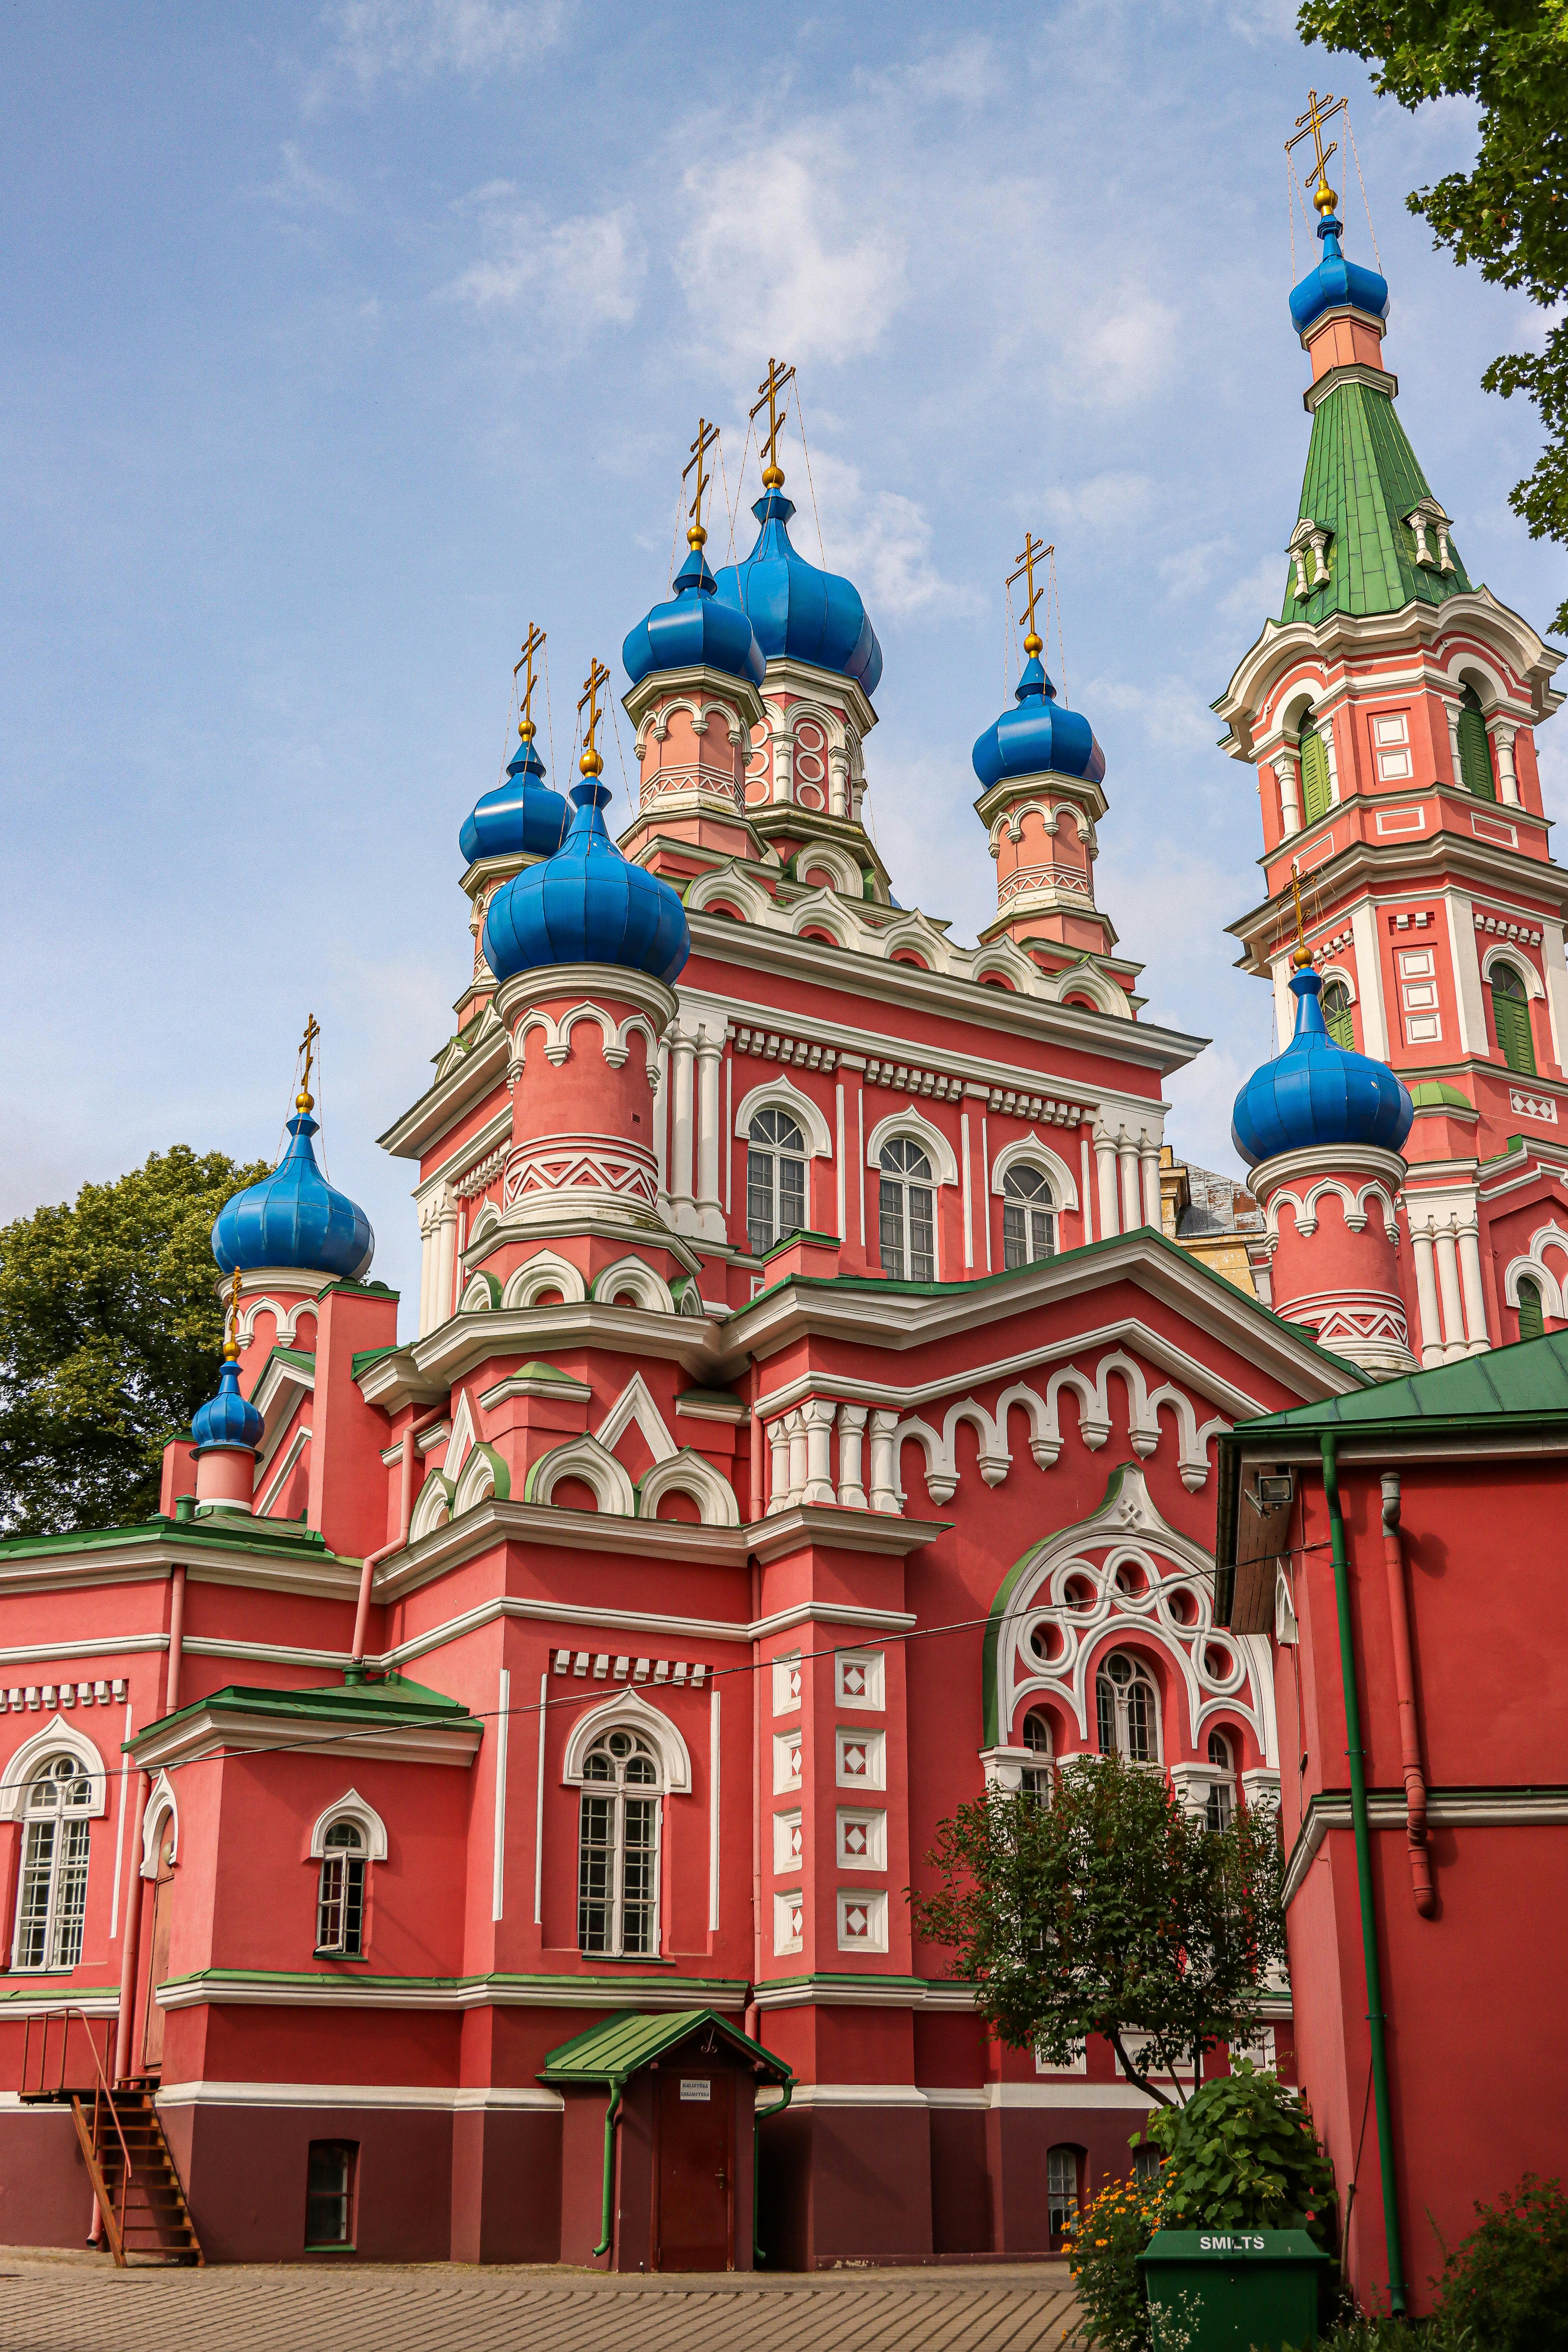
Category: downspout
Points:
column 131, row 1941
column 1404, row 1684
column 607, row 2211
column 373, row 1560
column 1356, row 1755
column 760, row 2115
column 176, row 1639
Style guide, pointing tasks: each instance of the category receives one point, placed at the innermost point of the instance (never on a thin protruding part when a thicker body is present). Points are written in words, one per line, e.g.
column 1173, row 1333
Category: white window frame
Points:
column 341, row 1891
column 1120, row 1703
column 1028, row 1209
column 618, row 1792
column 62, row 1919
column 908, row 1181
column 775, row 1152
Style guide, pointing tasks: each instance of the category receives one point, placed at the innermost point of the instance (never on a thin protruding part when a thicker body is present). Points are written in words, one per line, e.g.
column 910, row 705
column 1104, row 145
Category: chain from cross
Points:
column 231, row 1320
column 706, row 435
column 1030, row 554
column 532, row 644
column 303, row 1100
column 1310, row 126
column 598, row 675
column 770, row 388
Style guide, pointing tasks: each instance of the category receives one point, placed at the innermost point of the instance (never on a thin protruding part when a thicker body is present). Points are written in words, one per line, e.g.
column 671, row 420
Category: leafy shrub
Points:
column 1242, row 2154
column 1103, row 2247
column 1507, row 2283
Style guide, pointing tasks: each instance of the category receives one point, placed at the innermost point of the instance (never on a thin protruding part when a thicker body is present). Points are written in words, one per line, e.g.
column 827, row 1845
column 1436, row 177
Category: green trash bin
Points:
column 1243, row 2290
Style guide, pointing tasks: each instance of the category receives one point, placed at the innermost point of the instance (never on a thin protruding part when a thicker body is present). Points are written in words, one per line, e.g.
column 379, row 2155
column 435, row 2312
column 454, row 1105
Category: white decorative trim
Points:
column 1468, row 1809
column 857, row 2095
column 635, row 1405
column 628, row 1707
column 545, row 1271
column 1533, row 1268
column 781, row 1094
column 350, row 1806
column 433, row 2098
column 161, row 1805
column 691, row 1474
column 1031, row 1150
column 324, row 1991
column 296, row 1444
column 1519, row 960
column 55, row 1738
column 648, row 1288
column 910, row 1122
column 585, row 1458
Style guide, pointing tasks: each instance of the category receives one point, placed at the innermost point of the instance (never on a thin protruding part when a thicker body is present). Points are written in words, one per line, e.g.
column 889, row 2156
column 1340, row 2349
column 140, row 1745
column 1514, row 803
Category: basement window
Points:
column 330, row 2194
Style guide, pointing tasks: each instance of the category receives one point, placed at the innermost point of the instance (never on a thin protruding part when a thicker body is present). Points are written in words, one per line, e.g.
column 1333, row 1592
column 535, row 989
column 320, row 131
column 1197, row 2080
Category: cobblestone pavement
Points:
column 74, row 2303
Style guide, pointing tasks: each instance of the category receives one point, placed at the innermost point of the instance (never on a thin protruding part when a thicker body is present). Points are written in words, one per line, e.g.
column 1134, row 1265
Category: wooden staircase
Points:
column 133, row 2176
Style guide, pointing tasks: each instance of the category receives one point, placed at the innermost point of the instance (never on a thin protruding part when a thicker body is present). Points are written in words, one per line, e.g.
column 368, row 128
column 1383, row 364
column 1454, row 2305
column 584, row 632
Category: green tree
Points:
column 1510, row 213
column 110, row 1329
column 1108, row 1908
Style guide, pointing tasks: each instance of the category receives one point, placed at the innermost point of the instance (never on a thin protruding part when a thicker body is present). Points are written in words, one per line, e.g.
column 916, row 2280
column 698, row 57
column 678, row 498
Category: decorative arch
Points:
column 434, row 1506
column 286, row 1319
column 1357, row 1203
column 545, row 1271
column 485, row 1223
column 912, row 1122
column 161, row 1804
column 1083, row 977
column 656, row 722
column 781, row 1093
column 916, row 937
column 826, row 910
column 350, row 1806
column 481, row 1293
column 1328, row 973
column 51, row 1739
column 1506, row 951
column 484, row 1473
column 629, row 1707
column 1482, row 674
column 650, row 1290
column 728, row 882
column 1533, row 1268
column 687, row 1472
column 1032, row 1151
column 585, row 1458
column 835, row 860
column 636, row 1406
column 1004, row 958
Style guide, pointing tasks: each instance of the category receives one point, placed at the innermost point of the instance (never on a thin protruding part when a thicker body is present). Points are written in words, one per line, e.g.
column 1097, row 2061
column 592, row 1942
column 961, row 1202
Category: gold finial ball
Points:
column 1302, row 956
column 1032, row 645
column 230, row 1350
column 527, row 729
column 697, row 536
column 304, row 1103
column 591, row 764
column 772, row 477
column 1325, row 198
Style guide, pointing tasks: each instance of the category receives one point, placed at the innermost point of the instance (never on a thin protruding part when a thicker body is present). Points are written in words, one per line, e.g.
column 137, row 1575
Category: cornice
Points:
column 423, row 1371
column 1348, row 371
column 1365, row 866
column 1520, row 1808
column 1044, row 783
column 443, row 1104
column 701, row 678
column 811, row 1524
column 274, row 1989
column 200, row 1732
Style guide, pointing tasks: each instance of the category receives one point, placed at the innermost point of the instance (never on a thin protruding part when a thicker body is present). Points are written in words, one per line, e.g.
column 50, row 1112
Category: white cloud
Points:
column 299, row 187
column 409, row 41
column 879, row 538
column 1126, row 354
column 1190, row 566
column 1253, row 599
column 582, row 271
column 1170, row 715
column 1111, row 501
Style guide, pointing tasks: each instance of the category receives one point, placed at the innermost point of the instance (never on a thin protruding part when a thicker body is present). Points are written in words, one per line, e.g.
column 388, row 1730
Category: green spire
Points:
column 1361, row 482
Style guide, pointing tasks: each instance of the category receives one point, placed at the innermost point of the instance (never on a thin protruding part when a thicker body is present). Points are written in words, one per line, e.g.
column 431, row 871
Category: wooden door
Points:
column 694, row 2227
column 158, row 1952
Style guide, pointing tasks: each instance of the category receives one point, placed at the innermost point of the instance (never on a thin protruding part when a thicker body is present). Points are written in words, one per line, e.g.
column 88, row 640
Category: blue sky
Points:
column 339, row 343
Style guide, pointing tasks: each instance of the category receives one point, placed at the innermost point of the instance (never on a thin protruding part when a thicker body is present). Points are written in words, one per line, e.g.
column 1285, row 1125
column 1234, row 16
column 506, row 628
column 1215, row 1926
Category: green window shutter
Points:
column 1337, row 1017
column 1510, row 1016
column 1474, row 750
column 1531, row 1314
column 1314, row 776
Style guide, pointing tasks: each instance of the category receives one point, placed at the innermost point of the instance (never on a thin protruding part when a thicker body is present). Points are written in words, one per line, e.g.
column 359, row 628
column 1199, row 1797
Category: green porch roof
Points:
column 611, row 2052
column 1527, row 1383
column 1362, row 480
column 391, row 1701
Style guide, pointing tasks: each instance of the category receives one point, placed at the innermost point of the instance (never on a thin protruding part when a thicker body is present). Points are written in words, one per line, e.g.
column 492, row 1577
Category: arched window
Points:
column 618, row 1848
column 1061, row 2192
column 1222, row 1793
column 1314, row 773
column 907, row 1222
column 1475, row 750
column 776, row 1179
column 1531, row 1312
column 1336, row 1005
column 1127, row 1710
column 1037, row 1778
column 1510, row 1018
column 52, row 1902
column 340, row 1899
column 1028, row 1218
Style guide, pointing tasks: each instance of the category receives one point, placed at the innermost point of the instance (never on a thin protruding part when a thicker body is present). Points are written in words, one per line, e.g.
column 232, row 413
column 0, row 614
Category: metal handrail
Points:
column 67, row 2013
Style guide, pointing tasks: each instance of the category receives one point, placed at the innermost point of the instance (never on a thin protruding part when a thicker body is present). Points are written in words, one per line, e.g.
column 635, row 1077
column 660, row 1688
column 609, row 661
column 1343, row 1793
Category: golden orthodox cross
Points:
column 1310, row 126
column 706, row 435
column 770, row 388
column 231, row 1333
column 1028, row 555
column 532, row 644
column 598, row 675
column 308, row 1047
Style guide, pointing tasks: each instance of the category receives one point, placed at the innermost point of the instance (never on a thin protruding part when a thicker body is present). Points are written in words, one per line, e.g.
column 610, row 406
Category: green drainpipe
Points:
column 1374, row 2017
column 760, row 2116
column 606, row 2215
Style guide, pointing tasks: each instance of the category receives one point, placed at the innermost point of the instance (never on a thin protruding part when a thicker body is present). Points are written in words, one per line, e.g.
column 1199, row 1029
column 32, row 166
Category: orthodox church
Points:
column 473, row 1818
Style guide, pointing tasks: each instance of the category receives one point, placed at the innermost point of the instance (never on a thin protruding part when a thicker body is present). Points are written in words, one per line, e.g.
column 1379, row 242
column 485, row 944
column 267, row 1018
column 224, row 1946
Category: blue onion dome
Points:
column 294, row 1217
column 797, row 611
column 587, row 904
column 1336, row 283
column 1316, row 1092
column 694, row 629
column 1039, row 737
column 521, row 817
column 227, row 1419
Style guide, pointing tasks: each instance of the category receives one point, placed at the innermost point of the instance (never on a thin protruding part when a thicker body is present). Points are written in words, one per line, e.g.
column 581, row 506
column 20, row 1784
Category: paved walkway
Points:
column 78, row 2303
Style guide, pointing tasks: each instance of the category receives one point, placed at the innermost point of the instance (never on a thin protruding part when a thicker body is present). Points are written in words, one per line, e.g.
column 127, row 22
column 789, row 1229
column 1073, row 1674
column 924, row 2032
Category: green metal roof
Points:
column 611, row 2051
column 1436, row 1094
column 1526, row 1382
column 229, row 1531
column 1362, row 480
column 392, row 1700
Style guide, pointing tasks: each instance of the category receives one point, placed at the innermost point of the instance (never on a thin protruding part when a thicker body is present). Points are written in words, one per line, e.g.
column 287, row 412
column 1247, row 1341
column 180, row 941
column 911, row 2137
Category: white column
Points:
column 1284, row 765
column 1445, row 1242
column 1468, row 992
column 819, row 1414
column 709, row 1208
column 795, row 1425
column 446, row 1258
column 1105, row 1167
column 968, row 1190
column 851, row 1443
column 1502, row 741
column 1470, row 1278
column 1127, row 1153
column 661, row 1123
column 503, row 1721
column 1452, row 712
column 1556, row 962
column 1327, row 732
column 1149, row 1163
column 1369, row 983
column 1086, row 1191
column 885, row 1494
column 426, row 1266
column 838, row 1162
column 1427, row 1296
column 681, row 1136
column 778, row 1466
